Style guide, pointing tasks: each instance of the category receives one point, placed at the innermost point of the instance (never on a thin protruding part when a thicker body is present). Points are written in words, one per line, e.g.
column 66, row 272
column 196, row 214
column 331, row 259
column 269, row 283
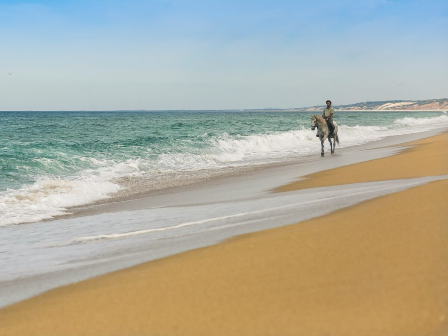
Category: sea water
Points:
column 51, row 161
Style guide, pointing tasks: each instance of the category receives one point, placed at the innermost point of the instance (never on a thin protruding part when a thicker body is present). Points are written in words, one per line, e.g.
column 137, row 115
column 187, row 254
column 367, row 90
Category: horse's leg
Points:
column 331, row 146
column 322, row 148
column 334, row 142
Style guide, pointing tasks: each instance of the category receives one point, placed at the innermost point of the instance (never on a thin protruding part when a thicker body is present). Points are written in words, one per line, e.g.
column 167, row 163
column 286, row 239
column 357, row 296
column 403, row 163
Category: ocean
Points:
column 171, row 182
column 51, row 161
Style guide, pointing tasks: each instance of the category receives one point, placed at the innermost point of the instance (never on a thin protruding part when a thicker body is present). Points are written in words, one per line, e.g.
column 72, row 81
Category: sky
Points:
column 227, row 54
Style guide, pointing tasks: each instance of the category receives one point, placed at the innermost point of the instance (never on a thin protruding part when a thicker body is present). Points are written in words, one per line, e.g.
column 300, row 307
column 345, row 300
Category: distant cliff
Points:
column 407, row 105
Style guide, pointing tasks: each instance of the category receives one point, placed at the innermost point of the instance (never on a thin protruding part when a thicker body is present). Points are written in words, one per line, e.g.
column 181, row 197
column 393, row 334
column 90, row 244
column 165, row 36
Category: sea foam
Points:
column 51, row 196
column 48, row 198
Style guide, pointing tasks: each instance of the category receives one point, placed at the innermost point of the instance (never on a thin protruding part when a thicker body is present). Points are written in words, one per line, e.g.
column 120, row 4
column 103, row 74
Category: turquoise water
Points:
column 53, row 160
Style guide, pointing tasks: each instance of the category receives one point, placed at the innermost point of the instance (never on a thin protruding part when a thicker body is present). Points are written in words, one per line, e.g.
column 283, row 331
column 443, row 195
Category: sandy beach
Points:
column 375, row 268
column 416, row 161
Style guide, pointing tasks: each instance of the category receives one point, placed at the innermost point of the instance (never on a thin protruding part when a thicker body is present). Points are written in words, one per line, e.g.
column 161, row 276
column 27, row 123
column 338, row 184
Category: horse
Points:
column 323, row 132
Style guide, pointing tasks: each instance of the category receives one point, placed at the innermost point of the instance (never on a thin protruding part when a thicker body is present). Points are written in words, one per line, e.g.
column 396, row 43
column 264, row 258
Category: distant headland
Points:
column 388, row 105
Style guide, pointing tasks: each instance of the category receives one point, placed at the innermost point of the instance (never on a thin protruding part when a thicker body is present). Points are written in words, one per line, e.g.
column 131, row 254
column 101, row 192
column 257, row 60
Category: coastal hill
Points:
column 388, row 105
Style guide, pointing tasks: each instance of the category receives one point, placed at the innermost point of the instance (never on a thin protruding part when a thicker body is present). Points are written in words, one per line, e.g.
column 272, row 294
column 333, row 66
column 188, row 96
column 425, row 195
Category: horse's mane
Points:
column 320, row 119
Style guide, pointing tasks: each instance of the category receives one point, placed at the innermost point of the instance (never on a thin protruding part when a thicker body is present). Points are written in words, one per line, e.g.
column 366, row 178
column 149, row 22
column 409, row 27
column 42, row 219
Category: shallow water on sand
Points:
column 39, row 256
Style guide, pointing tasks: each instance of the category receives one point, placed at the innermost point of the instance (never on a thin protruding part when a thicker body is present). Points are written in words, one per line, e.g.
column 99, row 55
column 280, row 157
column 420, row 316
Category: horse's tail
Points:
column 336, row 138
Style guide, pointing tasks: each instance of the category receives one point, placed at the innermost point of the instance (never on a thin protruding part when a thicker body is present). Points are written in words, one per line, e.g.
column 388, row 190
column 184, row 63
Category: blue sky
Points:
column 112, row 55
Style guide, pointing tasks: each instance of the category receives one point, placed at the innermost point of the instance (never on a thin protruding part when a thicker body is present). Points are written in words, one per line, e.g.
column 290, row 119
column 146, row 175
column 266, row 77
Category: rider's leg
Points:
column 330, row 125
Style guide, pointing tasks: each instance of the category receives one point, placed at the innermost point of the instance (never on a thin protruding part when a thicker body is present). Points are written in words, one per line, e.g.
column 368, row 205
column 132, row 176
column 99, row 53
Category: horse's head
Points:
column 313, row 122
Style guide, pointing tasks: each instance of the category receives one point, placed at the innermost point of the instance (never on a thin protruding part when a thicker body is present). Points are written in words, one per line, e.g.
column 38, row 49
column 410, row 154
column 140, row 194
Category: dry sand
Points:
column 378, row 268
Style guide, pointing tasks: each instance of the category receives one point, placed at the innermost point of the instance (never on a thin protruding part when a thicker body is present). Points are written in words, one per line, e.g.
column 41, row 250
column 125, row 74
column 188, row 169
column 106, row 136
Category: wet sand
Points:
column 376, row 268
column 421, row 158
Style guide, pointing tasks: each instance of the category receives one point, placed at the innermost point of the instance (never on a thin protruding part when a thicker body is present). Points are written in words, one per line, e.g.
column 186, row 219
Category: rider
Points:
column 328, row 116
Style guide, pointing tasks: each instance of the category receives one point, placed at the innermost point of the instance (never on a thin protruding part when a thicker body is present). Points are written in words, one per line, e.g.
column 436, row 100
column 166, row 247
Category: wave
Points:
column 51, row 196
column 423, row 122
column 47, row 198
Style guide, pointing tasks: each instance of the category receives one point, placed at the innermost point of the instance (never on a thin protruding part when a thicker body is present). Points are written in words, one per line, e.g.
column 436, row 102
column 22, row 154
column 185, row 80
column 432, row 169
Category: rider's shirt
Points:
column 328, row 111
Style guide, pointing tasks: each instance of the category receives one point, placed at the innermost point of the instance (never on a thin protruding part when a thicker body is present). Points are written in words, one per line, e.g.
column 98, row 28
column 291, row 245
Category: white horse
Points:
column 324, row 132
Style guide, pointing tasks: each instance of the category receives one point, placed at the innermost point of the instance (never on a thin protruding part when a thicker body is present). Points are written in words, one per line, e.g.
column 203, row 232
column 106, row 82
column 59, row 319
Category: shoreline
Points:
column 324, row 275
column 232, row 196
column 423, row 164
column 131, row 201
column 74, row 194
